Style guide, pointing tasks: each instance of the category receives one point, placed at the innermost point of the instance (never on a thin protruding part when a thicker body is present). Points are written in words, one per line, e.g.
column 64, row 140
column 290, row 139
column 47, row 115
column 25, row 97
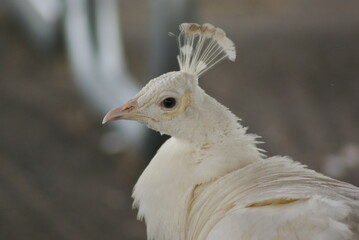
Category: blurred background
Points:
column 63, row 64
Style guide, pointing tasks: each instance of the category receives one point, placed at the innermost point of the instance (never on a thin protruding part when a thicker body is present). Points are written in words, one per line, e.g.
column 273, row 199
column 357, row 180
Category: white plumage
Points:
column 210, row 181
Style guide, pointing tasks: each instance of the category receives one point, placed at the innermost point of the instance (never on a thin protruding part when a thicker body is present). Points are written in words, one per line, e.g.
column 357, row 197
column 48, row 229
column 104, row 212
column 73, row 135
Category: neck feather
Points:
column 211, row 122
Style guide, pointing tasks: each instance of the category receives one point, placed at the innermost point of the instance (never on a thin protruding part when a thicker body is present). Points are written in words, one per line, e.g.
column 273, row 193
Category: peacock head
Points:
column 173, row 100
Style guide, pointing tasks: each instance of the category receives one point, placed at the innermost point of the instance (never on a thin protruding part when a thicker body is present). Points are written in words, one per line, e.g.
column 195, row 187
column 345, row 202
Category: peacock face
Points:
column 173, row 103
column 161, row 104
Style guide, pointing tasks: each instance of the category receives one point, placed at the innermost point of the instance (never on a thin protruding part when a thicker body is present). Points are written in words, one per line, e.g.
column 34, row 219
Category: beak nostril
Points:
column 128, row 108
column 127, row 111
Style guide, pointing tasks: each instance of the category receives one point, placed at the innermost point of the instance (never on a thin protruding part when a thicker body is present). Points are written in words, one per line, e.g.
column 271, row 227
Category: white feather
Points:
column 202, row 47
column 316, row 218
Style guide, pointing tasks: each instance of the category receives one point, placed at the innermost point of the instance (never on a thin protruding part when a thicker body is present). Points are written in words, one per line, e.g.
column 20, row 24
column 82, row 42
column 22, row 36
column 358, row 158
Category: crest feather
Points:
column 202, row 46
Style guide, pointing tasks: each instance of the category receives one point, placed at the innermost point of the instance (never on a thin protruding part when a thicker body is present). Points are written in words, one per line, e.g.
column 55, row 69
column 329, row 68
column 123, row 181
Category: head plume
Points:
column 202, row 46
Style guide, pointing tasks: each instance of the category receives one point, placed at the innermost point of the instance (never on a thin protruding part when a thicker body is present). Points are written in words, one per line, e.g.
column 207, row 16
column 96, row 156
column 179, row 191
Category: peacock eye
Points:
column 169, row 102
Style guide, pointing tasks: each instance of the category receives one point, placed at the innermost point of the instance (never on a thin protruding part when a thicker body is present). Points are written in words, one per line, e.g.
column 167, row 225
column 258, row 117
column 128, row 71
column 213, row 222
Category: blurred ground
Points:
column 295, row 83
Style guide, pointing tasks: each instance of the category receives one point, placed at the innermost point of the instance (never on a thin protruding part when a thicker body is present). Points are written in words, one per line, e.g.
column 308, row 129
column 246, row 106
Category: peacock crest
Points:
column 202, row 46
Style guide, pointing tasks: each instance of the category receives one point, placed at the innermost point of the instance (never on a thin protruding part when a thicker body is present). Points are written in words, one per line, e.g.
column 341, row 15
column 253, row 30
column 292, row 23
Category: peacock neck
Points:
column 214, row 123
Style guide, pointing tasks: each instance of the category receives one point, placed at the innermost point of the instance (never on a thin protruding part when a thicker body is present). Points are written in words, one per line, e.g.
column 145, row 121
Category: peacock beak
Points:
column 128, row 111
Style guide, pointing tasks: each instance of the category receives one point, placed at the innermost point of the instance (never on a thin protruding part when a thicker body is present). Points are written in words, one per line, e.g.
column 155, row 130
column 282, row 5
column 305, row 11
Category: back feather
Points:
column 202, row 46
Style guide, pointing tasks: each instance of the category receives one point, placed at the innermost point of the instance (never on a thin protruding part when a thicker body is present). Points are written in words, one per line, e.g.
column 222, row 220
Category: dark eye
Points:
column 169, row 102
